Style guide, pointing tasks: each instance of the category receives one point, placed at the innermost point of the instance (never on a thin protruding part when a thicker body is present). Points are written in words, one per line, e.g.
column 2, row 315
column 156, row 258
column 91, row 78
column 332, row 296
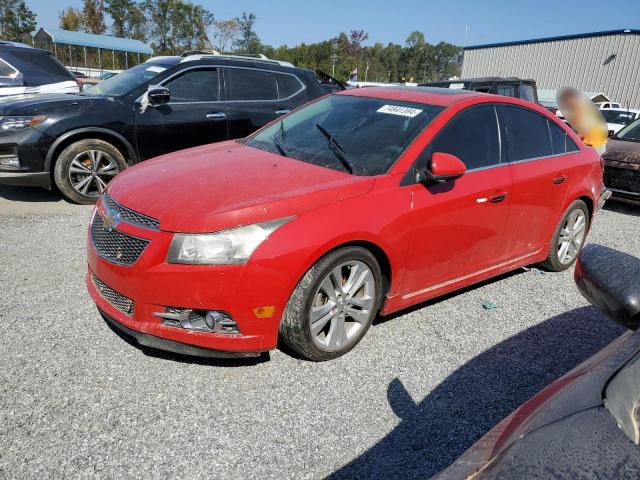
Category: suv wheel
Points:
column 84, row 168
column 333, row 305
column 568, row 238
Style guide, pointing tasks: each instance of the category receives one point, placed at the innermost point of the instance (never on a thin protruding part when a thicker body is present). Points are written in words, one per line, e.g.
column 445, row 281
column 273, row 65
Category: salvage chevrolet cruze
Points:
column 360, row 203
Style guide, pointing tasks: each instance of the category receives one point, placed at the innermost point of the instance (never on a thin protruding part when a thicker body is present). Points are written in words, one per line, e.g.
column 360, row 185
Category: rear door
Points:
column 538, row 152
column 458, row 226
column 194, row 115
column 256, row 96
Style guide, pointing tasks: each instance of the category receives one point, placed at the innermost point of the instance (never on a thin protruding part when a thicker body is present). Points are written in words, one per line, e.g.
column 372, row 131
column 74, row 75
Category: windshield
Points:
column 618, row 116
column 126, row 81
column 630, row 132
column 359, row 135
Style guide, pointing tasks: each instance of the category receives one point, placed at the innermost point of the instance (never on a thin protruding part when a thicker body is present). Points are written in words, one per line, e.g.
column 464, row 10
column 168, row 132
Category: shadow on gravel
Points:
column 176, row 357
column 29, row 194
column 622, row 207
column 472, row 400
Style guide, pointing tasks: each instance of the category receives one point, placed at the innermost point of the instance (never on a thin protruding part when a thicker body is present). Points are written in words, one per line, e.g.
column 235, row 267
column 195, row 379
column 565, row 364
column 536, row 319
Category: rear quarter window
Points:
column 288, row 85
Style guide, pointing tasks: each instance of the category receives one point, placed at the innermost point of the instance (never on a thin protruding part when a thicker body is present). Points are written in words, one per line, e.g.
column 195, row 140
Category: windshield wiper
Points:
column 280, row 148
column 277, row 142
column 336, row 148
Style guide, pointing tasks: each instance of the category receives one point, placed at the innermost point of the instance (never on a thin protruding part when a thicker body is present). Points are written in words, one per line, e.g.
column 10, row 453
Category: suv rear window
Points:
column 251, row 84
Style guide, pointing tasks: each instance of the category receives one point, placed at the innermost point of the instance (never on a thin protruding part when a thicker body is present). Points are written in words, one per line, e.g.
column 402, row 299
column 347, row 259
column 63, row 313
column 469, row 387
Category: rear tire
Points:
column 569, row 238
column 84, row 168
column 334, row 304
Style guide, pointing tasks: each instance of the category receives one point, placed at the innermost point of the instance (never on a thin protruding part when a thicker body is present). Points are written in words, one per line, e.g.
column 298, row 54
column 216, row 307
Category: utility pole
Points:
column 366, row 72
column 334, row 59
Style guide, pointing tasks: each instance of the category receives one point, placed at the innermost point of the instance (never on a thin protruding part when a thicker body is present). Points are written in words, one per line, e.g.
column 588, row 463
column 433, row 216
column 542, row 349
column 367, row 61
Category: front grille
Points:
column 622, row 179
column 129, row 215
column 117, row 300
column 115, row 246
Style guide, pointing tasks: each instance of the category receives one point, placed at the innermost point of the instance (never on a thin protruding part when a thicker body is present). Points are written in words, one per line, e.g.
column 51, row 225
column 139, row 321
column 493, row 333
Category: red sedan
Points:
column 360, row 203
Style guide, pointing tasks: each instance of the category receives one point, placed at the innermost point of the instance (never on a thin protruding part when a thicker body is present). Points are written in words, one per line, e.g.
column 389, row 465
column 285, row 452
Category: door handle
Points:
column 216, row 115
column 499, row 198
column 560, row 180
column 282, row 112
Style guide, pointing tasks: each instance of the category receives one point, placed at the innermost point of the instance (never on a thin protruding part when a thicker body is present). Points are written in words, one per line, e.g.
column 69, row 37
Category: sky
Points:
column 294, row 21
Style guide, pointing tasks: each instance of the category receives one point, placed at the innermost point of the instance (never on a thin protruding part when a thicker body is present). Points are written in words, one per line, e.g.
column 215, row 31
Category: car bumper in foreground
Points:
column 171, row 346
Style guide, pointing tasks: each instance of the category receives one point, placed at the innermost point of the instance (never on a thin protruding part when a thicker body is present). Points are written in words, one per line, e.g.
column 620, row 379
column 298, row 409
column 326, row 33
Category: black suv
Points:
column 79, row 142
column 508, row 87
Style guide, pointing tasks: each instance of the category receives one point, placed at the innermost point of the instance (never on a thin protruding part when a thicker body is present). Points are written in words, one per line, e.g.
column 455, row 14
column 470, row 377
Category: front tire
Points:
column 334, row 304
column 569, row 238
column 84, row 168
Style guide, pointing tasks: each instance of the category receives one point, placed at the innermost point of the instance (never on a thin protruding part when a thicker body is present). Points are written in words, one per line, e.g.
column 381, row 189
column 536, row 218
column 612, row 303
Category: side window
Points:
column 195, row 86
column 248, row 84
column 288, row 85
column 472, row 136
column 527, row 134
column 505, row 90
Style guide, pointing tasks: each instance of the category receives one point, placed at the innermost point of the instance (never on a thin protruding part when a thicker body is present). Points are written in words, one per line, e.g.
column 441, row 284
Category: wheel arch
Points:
column 114, row 138
column 380, row 254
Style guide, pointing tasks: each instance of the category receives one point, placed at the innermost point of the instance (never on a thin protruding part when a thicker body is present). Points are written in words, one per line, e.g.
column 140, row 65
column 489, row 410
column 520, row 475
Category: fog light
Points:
column 212, row 321
column 10, row 161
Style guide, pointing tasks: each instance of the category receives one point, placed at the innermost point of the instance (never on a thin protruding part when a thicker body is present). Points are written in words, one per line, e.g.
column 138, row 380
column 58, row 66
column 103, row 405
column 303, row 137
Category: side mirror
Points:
column 158, row 96
column 610, row 281
column 611, row 133
column 444, row 167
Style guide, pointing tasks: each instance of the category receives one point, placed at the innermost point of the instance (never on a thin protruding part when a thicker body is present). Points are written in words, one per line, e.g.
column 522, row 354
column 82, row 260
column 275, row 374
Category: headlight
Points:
column 17, row 123
column 226, row 247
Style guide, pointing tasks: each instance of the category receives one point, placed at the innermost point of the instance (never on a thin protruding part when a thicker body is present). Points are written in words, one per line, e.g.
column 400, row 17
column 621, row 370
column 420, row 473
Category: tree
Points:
column 247, row 41
column 225, row 34
column 70, row 19
column 119, row 12
column 93, row 17
column 17, row 21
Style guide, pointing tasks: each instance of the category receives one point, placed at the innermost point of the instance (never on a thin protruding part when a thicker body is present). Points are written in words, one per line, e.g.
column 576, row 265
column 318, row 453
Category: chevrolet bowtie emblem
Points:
column 110, row 219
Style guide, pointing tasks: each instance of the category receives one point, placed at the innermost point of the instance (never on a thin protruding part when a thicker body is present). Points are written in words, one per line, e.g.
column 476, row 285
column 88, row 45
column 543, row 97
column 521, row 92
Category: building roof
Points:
column 105, row 42
column 554, row 39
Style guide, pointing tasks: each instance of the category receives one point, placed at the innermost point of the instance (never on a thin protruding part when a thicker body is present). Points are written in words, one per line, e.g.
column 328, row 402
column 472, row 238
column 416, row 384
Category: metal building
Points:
column 64, row 43
column 607, row 62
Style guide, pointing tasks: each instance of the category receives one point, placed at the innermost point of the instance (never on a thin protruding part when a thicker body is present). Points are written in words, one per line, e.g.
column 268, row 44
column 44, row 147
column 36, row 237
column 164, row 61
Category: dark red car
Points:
column 366, row 201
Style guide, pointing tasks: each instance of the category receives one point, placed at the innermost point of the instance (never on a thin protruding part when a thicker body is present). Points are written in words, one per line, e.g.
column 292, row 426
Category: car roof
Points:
column 20, row 47
column 441, row 97
column 485, row 80
column 621, row 109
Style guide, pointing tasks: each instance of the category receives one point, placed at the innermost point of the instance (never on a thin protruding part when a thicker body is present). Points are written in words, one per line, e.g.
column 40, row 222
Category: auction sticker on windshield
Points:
column 399, row 110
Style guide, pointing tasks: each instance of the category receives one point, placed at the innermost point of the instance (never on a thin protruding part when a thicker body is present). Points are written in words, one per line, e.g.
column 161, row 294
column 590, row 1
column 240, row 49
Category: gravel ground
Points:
column 77, row 400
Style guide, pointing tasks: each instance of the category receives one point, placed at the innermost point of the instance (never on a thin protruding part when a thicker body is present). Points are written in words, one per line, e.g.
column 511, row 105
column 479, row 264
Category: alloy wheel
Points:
column 572, row 236
column 90, row 171
column 342, row 305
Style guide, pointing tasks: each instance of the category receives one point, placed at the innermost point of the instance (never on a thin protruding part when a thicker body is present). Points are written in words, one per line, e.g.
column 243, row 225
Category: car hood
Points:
column 622, row 153
column 42, row 103
column 223, row 185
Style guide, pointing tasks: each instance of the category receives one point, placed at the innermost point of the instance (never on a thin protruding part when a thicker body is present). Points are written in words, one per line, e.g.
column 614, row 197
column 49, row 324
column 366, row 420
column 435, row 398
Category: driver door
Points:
column 458, row 227
column 193, row 116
